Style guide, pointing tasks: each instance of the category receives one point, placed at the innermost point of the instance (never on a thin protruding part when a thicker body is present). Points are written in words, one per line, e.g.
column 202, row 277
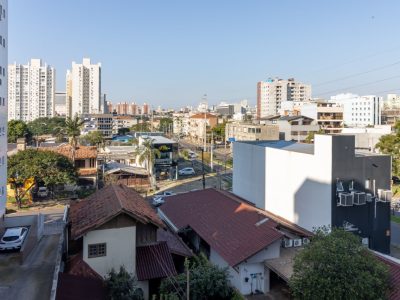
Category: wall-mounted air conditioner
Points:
column 297, row 242
column 360, row 198
column 345, row 199
column 306, row 241
column 384, row 195
column 368, row 197
column 287, row 243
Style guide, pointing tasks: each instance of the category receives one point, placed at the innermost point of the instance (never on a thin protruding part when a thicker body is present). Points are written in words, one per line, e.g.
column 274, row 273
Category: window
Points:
column 97, row 250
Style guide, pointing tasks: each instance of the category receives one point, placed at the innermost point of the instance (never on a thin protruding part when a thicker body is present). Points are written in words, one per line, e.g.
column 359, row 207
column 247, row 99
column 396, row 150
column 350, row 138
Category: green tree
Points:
column 73, row 130
column 390, row 144
column 219, row 131
column 17, row 129
column 47, row 167
column 94, row 138
column 207, row 281
column 310, row 137
column 141, row 127
column 165, row 125
column 122, row 286
column 43, row 126
column 147, row 154
column 335, row 265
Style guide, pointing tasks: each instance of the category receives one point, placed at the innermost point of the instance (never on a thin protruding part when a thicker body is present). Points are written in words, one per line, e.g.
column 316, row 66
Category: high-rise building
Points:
column 3, row 104
column 84, row 89
column 60, row 103
column 146, row 109
column 122, row 108
column 31, row 91
column 272, row 92
column 133, row 109
column 110, row 108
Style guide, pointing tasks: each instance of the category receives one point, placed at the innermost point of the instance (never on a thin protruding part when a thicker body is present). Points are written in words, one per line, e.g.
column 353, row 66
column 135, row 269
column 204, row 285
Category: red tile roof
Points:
column 175, row 243
column 107, row 203
column 154, row 261
column 87, row 172
column 71, row 287
column 81, row 152
column 78, row 267
column 394, row 271
column 235, row 230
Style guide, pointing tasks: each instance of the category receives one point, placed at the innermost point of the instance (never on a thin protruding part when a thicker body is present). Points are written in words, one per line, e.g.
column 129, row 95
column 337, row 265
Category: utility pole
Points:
column 212, row 144
column 202, row 165
column 205, row 132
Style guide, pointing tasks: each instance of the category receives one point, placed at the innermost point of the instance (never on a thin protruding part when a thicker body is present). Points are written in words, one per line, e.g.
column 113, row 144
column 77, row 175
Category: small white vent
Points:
column 297, row 242
column 346, row 199
column 360, row 198
column 287, row 243
column 306, row 241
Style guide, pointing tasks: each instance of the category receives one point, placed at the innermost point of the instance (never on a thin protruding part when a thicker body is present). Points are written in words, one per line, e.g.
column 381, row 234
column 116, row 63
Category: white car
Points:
column 43, row 192
column 159, row 198
column 186, row 171
column 13, row 238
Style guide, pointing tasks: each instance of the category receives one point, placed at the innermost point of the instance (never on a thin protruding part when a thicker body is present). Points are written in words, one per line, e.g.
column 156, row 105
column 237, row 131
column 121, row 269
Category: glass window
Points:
column 97, row 250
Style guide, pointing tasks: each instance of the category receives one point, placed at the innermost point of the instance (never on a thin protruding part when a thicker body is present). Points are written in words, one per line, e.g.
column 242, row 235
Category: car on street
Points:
column 43, row 192
column 186, row 171
column 159, row 198
column 13, row 238
column 192, row 155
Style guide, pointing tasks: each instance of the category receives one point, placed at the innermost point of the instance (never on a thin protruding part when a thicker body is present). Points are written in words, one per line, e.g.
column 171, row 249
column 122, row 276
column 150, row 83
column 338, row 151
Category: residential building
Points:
column 146, row 109
column 98, row 122
column 360, row 110
column 84, row 89
column 181, row 124
column 392, row 101
column 31, row 91
column 329, row 115
column 271, row 93
column 134, row 109
column 232, row 234
column 116, row 227
column 3, row 104
column 122, row 108
column 110, row 108
column 327, row 183
column 292, row 128
column 60, row 104
column 390, row 116
column 199, row 124
column 366, row 138
column 120, row 122
column 240, row 131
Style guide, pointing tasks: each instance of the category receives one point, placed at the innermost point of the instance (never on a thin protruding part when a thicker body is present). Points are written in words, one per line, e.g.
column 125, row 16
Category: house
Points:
column 232, row 233
column 130, row 176
column 242, row 131
column 328, row 183
column 85, row 161
column 116, row 227
column 199, row 123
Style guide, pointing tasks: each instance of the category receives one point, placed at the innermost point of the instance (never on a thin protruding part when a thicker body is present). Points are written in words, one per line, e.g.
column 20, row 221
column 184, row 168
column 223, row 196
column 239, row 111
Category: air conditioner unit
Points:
column 306, row 241
column 384, row 195
column 287, row 243
column 360, row 198
column 297, row 242
column 346, row 199
column 368, row 197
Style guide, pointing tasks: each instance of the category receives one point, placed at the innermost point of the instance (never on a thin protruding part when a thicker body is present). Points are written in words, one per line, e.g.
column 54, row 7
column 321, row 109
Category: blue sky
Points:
column 170, row 52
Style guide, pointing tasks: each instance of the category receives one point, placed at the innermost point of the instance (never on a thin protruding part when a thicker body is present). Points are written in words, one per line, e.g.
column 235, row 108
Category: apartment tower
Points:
column 31, row 91
column 84, row 89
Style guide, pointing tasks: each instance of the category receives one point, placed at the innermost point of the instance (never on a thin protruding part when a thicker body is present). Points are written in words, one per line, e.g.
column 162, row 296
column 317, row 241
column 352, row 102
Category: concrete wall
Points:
column 121, row 249
column 216, row 259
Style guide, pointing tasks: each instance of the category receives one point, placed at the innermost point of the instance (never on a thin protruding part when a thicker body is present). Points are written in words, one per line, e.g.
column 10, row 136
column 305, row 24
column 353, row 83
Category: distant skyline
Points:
column 171, row 53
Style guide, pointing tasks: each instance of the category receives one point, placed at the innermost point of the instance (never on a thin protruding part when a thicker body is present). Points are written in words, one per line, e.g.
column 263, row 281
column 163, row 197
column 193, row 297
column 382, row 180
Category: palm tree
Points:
column 73, row 130
column 147, row 154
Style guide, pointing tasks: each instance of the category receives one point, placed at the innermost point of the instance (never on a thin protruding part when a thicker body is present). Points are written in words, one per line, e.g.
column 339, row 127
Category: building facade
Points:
column 31, row 91
column 60, row 104
column 84, row 89
column 329, row 115
column 325, row 184
column 199, row 124
column 271, row 93
column 3, row 103
column 98, row 122
column 360, row 110
column 250, row 132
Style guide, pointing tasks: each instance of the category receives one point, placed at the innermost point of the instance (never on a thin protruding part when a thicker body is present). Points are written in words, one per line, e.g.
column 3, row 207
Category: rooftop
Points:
column 201, row 116
column 284, row 145
column 158, row 139
column 81, row 152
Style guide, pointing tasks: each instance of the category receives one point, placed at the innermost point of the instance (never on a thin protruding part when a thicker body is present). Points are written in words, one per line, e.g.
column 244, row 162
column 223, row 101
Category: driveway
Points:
column 33, row 279
column 395, row 236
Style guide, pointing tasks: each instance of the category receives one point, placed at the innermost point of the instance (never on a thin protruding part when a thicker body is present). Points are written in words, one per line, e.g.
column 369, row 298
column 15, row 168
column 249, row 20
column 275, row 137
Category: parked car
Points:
column 186, row 171
column 13, row 238
column 192, row 154
column 43, row 192
column 159, row 198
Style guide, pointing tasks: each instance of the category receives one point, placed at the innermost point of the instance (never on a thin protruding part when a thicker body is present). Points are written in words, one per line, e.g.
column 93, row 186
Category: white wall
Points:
column 121, row 249
column 3, row 109
column 216, row 259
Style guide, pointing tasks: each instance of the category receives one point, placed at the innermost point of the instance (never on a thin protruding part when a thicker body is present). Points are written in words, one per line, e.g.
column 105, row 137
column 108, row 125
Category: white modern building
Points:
column 312, row 185
column 60, row 104
column 3, row 104
column 392, row 101
column 271, row 93
column 31, row 91
column 360, row 110
column 84, row 89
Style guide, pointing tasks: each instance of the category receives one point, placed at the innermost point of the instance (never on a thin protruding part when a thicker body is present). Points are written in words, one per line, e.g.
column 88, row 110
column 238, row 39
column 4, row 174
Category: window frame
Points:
column 97, row 247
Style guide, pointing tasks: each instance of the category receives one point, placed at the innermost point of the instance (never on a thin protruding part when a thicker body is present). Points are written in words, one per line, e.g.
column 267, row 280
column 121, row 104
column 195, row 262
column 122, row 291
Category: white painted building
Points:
column 307, row 184
column 60, row 104
column 360, row 110
column 84, row 88
column 31, row 91
column 3, row 104
column 271, row 93
column 392, row 101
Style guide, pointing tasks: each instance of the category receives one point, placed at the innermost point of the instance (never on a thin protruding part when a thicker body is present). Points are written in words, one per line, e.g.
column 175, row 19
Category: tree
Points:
column 335, row 265
column 73, row 130
column 147, row 154
column 165, row 125
column 94, row 138
column 207, row 281
column 219, row 131
column 310, row 137
column 390, row 144
column 17, row 129
column 47, row 167
column 141, row 127
column 43, row 126
column 123, row 286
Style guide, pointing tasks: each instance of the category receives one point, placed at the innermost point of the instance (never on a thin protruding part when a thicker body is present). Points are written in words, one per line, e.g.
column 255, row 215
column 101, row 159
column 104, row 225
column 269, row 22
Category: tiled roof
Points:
column 394, row 271
column 175, row 243
column 234, row 229
column 71, row 287
column 81, row 152
column 87, row 172
column 201, row 116
column 107, row 203
column 154, row 261
column 78, row 267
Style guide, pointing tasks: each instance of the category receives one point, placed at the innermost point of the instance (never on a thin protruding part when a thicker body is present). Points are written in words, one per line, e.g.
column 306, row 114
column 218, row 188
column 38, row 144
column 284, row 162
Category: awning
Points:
column 283, row 265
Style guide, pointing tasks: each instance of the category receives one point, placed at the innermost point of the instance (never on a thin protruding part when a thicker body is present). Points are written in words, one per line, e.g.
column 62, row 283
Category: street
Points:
column 395, row 236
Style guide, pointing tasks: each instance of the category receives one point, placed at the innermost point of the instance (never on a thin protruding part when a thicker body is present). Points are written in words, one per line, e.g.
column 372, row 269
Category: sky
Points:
column 172, row 52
